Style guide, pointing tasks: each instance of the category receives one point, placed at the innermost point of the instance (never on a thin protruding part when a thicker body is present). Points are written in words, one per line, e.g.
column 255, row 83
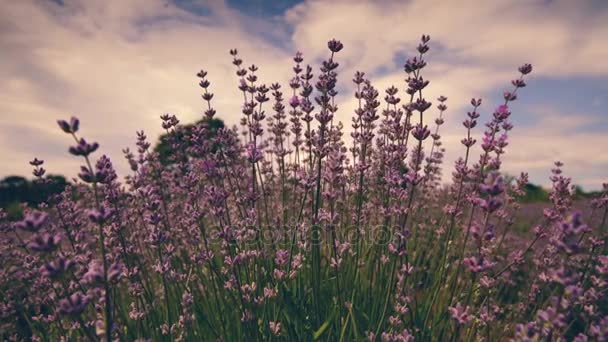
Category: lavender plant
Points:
column 281, row 230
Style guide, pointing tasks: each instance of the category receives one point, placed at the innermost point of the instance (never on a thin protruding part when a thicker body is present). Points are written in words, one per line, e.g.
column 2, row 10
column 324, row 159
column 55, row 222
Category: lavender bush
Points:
column 279, row 230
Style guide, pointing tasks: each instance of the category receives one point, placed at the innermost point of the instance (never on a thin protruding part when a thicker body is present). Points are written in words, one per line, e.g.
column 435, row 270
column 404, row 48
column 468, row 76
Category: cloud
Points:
column 476, row 47
column 558, row 36
column 559, row 136
column 118, row 65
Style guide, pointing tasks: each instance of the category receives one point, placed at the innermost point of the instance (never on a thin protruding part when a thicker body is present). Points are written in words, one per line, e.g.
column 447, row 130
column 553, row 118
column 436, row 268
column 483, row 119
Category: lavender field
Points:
column 285, row 228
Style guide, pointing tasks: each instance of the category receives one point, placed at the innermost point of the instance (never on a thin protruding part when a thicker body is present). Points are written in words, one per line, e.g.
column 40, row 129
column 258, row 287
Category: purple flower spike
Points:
column 421, row 105
column 115, row 272
column 74, row 124
column 65, row 126
column 494, row 184
column 74, row 304
column 86, row 175
column 335, row 45
column 100, row 215
column 519, row 83
column 502, row 112
column 476, row 265
column 69, row 127
column 33, row 221
column 44, row 242
column 294, row 102
column 420, row 132
column 525, row 69
column 460, row 314
column 95, row 273
column 468, row 142
column 36, row 162
column 253, row 153
column 282, row 257
column 39, row 172
column 83, row 148
column 55, row 268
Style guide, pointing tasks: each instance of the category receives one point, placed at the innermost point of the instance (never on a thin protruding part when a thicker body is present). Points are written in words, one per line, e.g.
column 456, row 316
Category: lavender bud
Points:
column 518, row 83
column 83, row 148
column 73, row 305
column 335, row 45
column 36, row 162
column 100, row 215
column 32, row 221
column 421, row 133
column 55, row 268
column 298, row 57
column 39, row 172
column 65, row 126
column 525, row 69
column 115, row 272
column 74, row 124
column 94, row 274
column 44, row 243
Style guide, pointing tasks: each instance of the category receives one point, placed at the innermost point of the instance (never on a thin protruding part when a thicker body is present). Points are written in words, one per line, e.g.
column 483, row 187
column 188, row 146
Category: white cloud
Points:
column 100, row 64
column 118, row 65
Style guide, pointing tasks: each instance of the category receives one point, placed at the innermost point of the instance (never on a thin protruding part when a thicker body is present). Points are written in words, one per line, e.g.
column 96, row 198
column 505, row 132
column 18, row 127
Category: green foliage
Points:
column 14, row 211
column 15, row 190
column 183, row 136
column 535, row 193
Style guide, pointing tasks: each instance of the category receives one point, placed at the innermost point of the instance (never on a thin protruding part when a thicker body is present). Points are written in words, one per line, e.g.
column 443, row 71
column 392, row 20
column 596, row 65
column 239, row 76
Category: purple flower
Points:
column 44, row 242
column 275, row 328
column 494, row 184
column 460, row 314
column 254, row 154
column 526, row 332
column 74, row 304
column 420, row 132
column 94, row 274
column 525, row 69
column 502, row 112
column 39, row 172
column 100, row 215
column 33, row 221
column 115, row 272
column 71, row 127
column 36, row 162
column 477, row 264
column 417, row 84
column 468, row 142
column 518, row 83
column 83, row 148
column 55, row 268
column 421, row 105
column 294, row 102
column 571, row 230
column 282, row 257
column 335, row 45
column 602, row 267
column 509, row 96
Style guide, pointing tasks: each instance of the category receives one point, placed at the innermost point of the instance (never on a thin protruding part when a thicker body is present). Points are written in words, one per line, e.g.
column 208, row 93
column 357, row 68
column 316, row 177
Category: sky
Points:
column 118, row 65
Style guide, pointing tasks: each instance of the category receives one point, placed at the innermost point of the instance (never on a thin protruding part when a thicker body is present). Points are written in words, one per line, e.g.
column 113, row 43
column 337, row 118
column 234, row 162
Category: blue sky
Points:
column 119, row 65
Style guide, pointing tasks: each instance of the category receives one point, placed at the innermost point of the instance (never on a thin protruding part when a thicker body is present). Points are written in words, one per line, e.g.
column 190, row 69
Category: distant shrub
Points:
column 535, row 193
